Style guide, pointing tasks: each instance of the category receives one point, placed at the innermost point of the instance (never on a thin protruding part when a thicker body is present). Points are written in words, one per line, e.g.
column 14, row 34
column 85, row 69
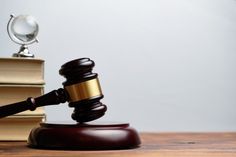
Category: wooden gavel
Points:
column 81, row 89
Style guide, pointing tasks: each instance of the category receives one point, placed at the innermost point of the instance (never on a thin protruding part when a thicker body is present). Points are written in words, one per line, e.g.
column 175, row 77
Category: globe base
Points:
column 23, row 52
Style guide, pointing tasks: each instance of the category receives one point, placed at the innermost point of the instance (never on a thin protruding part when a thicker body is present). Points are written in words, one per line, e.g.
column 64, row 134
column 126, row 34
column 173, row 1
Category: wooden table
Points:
column 153, row 145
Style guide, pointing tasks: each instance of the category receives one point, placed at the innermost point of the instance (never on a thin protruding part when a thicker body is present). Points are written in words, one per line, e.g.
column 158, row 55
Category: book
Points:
column 20, row 78
column 17, row 128
column 16, row 70
column 11, row 93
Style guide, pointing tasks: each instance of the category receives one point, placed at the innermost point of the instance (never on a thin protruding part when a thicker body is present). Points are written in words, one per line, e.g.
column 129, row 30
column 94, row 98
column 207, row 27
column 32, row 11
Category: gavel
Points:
column 81, row 89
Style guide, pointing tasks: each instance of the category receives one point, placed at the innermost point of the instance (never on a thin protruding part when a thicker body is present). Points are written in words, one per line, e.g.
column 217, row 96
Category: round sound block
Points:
column 83, row 136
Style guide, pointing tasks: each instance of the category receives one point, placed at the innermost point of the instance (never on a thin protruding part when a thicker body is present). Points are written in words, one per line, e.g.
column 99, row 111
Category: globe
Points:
column 24, row 29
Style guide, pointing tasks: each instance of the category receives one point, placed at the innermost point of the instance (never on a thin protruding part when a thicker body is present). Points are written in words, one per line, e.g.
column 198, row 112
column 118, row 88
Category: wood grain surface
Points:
column 153, row 145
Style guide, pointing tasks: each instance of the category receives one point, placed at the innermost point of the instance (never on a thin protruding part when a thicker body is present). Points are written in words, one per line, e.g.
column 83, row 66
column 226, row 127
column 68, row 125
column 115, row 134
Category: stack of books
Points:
column 20, row 78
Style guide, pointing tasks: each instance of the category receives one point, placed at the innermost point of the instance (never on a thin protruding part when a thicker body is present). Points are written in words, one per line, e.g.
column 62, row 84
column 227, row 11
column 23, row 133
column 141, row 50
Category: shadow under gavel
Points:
column 81, row 89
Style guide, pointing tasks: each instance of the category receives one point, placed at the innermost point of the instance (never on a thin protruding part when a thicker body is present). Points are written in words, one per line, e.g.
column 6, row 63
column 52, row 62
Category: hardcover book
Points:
column 20, row 78
column 17, row 128
column 21, row 71
column 11, row 93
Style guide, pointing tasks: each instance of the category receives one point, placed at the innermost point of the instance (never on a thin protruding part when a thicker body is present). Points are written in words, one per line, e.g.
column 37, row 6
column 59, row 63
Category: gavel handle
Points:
column 52, row 98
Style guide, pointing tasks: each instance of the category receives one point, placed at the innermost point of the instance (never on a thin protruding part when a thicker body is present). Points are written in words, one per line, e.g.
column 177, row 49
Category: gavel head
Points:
column 83, row 89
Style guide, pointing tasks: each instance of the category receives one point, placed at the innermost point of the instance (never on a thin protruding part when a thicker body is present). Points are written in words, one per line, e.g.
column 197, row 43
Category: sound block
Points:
column 83, row 136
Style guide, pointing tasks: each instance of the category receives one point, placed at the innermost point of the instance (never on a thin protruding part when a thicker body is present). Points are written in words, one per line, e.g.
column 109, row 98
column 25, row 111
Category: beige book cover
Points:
column 16, row 70
column 20, row 78
column 15, row 93
column 17, row 128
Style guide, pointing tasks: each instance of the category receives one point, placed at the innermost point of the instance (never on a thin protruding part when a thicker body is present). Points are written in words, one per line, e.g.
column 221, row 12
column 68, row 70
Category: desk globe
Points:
column 23, row 30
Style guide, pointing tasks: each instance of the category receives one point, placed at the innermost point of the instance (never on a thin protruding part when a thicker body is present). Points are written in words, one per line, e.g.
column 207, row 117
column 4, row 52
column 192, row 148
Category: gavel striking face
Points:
column 81, row 89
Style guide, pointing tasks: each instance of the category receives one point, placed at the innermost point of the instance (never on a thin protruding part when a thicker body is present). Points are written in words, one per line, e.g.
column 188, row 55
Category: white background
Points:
column 164, row 65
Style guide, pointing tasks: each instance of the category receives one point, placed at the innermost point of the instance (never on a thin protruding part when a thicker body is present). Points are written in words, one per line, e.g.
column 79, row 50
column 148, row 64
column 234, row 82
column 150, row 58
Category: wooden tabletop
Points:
column 153, row 145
